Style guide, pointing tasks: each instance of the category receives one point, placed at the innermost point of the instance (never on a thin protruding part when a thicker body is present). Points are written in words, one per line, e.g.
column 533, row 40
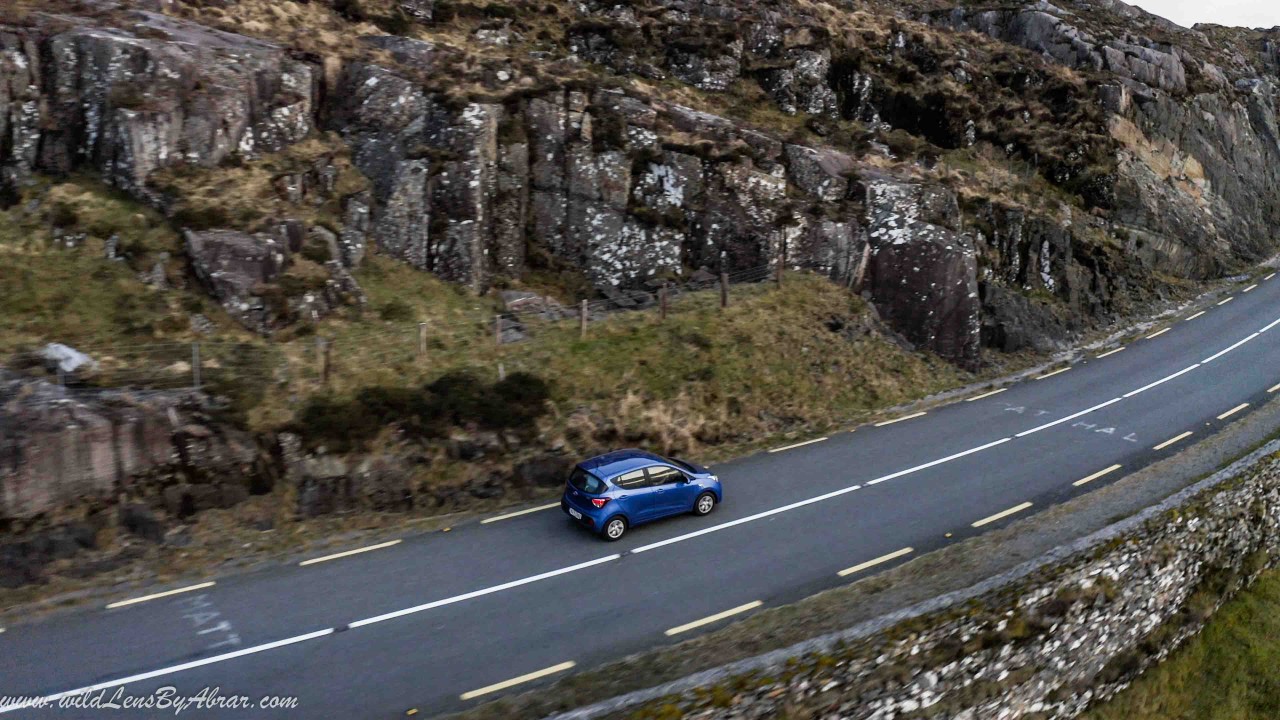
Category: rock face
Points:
column 63, row 449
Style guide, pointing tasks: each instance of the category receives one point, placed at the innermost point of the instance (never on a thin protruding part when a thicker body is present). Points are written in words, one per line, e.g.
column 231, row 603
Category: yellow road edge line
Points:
column 518, row 513
column 1155, row 335
column 167, row 593
column 1096, row 475
column 1273, row 389
column 986, row 394
column 1233, row 411
column 799, row 444
column 1224, row 302
column 1055, row 372
column 1172, row 440
column 1110, row 352
column 875, row 561
column 1193, row 317
column 906, row 417
column 1249, row 288
column 1002, row 514
column 517, row 680
column 357, row 551
column 713, row 618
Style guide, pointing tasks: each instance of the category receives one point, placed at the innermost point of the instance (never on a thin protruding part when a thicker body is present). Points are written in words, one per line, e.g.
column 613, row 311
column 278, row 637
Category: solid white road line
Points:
column 1161, row 381
column 907, row 417
column 518, row 680
column 1002, row 514
column 875, row 561
column 1268, row 327
column 1172, row 440
column 1220, row 353
column 1224, row 302
column 166, row 593
column 1193, row 317
column 177, row 668
column 713, row 618
column 987, row 394
column 799, row 444
column 812, row 500
column 1073, row 416
column 1055, row 372
column 1155, row 335
column 1110, row 352
column 1249, row 288
column 1233, row 411
column 357, row 551
column 485, row 591
column 1095, row 476
column 518, row 513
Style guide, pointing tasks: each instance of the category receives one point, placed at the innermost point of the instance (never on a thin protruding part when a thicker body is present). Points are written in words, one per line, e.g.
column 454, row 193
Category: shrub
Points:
column 396, row 311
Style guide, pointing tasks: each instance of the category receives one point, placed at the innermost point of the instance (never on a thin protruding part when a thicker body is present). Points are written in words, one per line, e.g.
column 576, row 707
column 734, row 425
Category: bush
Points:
column 396, row 311
column 63, row 215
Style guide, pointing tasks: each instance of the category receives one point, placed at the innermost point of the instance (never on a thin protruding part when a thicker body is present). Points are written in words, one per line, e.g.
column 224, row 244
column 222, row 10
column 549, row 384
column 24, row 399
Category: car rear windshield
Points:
column 586, row 482
column 680, row 463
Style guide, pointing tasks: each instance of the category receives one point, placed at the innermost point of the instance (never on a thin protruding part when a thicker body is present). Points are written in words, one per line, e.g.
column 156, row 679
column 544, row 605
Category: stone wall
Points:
column 1045, row 640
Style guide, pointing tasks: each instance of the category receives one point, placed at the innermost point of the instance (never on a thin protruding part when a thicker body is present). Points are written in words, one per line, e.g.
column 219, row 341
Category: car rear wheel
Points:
column 705, row 503
column 615, row 528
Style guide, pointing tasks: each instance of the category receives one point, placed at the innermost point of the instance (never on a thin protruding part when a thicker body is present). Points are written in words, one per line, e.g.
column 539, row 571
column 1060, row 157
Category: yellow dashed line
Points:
column 1155, row 335
column 875, row 561
column 986, row 394
column 1002, row 514
column 1224, row 302
column 1110, row 352
column 167, row 593
column 517, row 680
column 357, row 551
column 713, row 618
column 1172, row 440
column 1055, row 372
column 890, row 422
column 1233, row 411
column 1096, row 475
column 1193, row 317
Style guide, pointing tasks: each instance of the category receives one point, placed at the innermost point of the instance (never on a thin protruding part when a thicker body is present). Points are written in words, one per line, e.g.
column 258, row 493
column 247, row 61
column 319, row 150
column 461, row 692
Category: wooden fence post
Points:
column 195, row 366
column 328, row 361
column 724, row 289
column 777, row 273
column 582, row 320
column 497, row 329
column 422, row 338
column 662, row 302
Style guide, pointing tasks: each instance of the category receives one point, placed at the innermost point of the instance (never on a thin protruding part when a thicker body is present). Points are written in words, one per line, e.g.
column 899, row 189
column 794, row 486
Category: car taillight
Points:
column 599, row 502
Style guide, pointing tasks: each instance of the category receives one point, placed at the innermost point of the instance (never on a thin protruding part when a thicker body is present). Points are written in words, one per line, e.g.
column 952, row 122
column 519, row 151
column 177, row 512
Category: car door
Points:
column 670, row 488
column 637, row 499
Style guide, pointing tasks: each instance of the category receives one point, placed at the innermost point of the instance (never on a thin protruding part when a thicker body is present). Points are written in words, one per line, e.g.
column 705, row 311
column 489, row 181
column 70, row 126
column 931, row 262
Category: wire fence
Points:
column 516, row 338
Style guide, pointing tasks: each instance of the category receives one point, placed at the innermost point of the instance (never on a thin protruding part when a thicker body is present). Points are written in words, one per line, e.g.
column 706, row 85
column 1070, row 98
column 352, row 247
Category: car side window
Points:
column 663, row 475
column 631, row 480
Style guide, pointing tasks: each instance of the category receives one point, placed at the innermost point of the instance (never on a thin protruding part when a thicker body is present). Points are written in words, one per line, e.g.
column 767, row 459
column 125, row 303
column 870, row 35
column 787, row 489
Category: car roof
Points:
column 619, row 461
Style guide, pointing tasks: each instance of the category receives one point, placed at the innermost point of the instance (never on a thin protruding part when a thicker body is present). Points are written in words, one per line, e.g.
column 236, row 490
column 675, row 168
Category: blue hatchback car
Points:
column 612, row 492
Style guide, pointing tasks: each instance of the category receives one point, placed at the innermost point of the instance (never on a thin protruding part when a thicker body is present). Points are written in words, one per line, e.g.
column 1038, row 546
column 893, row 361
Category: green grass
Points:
column 1231, row 671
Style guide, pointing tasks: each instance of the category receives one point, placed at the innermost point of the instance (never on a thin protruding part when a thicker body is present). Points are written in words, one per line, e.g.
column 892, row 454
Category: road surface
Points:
column 444, row 621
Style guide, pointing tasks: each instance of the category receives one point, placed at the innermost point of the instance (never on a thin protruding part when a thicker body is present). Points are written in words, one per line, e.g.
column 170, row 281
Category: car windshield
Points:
column 683, row 464
column 586, row 482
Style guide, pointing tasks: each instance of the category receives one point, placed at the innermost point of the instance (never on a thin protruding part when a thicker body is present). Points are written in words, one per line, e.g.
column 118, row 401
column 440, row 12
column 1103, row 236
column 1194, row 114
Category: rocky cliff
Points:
column 1014, row 174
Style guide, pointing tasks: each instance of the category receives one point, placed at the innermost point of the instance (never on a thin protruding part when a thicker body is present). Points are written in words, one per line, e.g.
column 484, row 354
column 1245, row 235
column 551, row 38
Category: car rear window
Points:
column 680, row 463
column 586, row 482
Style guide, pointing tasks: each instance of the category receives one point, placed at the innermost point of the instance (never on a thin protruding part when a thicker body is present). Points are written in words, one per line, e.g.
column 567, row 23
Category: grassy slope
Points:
column 1231, row 671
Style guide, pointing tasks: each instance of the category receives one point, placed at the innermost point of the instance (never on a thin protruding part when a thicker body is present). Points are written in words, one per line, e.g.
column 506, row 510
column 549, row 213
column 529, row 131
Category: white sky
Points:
column 1246, row 13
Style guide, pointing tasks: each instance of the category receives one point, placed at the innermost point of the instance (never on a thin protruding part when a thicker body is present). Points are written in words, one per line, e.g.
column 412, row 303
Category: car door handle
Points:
column 622, row 497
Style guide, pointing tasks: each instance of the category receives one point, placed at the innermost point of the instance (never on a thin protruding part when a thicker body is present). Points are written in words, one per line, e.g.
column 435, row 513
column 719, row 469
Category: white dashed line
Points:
column 1096, row 475
column 1002, row 514
column 875, row 561
column 485, row 591
column 176, row 668
column 799, row 444
column 1233, row 411
column 1224, row 302
column 1172, row 440
column 1249, row 288
column 1193, row 317
column 518, row 680
column 1220, row 353
column 1110, row 352
column 348, row 553
column 1055, row 372
column 518, row 513
column 987, row 394
column 897, row 420
column 1269, row 276
column 1155, row 335
column 1073, row 416
column 713, row 618
column 1161, row 381
column 1273, row 388
column 166, row 593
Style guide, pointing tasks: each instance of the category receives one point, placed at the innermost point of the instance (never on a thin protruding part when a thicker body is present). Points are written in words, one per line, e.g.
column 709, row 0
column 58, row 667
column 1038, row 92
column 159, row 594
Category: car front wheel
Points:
column 615, row 529
column 705, row 503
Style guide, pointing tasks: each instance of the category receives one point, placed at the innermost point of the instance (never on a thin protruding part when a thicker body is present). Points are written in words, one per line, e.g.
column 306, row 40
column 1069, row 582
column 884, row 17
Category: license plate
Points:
column 575, row 513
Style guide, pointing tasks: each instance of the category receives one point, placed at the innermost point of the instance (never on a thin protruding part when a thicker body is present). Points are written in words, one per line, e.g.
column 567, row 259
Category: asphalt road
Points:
column 443, row 621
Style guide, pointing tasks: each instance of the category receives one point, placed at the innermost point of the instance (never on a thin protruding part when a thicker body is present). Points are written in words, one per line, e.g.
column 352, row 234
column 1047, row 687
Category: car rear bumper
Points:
column 586, row 520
